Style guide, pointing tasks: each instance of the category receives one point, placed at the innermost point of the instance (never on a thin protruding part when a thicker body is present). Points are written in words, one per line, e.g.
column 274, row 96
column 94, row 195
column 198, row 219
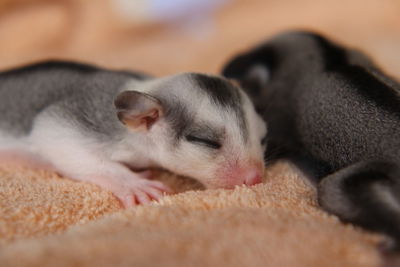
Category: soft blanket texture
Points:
column 277, row 223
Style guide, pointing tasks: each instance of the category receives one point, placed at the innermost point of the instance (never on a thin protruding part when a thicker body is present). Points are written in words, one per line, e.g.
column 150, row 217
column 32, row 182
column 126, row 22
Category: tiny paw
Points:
column 141, row 192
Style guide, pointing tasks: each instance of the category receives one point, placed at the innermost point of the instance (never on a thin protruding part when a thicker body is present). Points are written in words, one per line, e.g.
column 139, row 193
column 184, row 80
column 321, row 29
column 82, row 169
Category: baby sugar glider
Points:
column 335, row 114
column 97, row 125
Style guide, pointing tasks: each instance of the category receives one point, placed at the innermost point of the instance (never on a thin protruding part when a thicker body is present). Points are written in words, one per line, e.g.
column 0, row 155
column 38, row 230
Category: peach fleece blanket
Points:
column 50, row 221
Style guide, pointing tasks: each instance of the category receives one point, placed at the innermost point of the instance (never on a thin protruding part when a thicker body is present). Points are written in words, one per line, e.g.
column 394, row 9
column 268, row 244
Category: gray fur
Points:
column 81, row 94
column 225, row 95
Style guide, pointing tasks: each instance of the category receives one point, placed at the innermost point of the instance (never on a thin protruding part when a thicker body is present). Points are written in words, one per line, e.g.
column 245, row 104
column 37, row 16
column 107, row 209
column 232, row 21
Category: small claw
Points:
column 160, row 186
column 142, row 197
column 127, row 200
column 154, row 193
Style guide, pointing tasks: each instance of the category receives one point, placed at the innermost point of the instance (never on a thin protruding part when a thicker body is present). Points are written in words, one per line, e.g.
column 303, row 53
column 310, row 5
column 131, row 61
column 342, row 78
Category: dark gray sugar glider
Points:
column 98, row 125
column 334, row 113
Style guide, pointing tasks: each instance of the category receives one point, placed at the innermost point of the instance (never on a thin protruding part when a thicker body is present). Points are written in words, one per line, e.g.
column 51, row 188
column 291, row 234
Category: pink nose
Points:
column 252, row 177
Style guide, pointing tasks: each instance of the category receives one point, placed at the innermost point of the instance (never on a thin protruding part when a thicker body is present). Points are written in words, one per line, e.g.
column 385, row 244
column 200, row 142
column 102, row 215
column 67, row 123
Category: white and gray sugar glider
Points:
column 97, row 125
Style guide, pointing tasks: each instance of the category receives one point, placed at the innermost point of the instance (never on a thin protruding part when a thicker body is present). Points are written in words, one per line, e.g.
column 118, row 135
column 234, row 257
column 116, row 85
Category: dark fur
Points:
column 224, row 94
column 331, row 111
column 77, row 89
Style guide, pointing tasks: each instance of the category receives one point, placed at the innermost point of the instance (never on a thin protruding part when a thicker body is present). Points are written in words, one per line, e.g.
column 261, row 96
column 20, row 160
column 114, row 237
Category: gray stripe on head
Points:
column 178, row 115
column 225, row 95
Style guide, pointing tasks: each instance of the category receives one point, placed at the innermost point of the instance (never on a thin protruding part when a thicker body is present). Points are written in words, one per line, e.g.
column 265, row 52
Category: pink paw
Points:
column 141, row 192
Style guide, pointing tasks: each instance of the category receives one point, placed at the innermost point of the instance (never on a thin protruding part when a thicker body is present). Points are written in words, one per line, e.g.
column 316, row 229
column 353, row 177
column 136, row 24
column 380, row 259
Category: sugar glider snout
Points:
column 96, row 125
column 253, row 176
column 241, row 173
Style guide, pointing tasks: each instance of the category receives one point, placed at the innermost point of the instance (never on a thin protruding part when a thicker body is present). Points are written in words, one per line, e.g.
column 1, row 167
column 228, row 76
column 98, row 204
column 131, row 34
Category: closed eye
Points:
column 203, row 141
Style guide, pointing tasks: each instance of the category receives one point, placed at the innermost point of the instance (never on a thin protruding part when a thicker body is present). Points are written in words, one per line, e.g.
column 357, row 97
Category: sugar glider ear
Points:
column 250, row 71
column 138, row 110
column 256, row 77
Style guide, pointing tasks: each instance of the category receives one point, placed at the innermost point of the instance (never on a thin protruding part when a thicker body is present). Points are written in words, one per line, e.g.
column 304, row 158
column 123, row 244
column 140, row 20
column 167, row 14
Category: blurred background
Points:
column 167, row 36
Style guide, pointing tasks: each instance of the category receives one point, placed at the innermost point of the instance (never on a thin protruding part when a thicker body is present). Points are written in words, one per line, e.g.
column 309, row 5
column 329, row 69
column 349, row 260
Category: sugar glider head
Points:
column 286, row 59
column 197, row 125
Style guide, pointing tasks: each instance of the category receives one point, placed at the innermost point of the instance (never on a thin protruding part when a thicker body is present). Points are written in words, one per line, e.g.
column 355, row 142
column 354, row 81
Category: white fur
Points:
column 200, row 163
